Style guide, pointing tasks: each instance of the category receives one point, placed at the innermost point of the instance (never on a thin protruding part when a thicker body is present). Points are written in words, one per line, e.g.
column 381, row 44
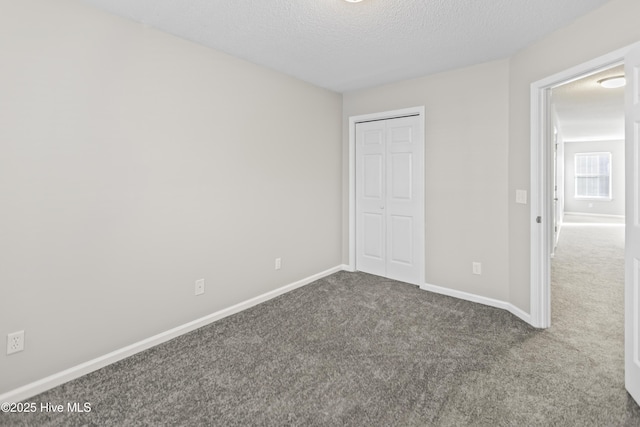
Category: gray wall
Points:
column 133, row 163
column 615, row 206
column 466, row 129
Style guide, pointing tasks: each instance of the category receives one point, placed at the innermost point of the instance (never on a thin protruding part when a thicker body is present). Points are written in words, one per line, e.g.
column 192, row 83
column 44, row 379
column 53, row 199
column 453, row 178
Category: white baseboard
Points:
column 347, row 267
column 47, row 383
column 594, row 214
column 478, row 299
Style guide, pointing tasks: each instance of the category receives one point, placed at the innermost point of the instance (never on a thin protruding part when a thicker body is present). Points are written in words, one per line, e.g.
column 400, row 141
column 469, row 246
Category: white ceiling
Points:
column 588, row 112
column 346, row 46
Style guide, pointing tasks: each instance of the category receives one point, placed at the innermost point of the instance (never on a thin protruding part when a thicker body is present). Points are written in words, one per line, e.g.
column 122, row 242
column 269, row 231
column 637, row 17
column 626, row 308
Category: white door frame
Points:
column 542, row 180
column 353, row 120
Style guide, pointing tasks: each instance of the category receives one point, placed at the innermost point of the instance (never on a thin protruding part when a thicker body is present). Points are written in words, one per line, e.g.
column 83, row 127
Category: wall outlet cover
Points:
column 15, row 342
column 477, row 268
column 199, row 287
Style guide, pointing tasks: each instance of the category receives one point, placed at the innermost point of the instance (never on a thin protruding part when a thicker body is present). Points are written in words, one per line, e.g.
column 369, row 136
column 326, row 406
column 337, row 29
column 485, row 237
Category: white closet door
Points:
column 404, row 200
column 370, row 197
column 390, row 199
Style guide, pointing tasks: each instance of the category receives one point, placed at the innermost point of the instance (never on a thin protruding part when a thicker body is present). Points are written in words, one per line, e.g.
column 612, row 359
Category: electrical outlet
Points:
column 278, row 263
column 199, row 288
column 477, row 268
column 15, row 342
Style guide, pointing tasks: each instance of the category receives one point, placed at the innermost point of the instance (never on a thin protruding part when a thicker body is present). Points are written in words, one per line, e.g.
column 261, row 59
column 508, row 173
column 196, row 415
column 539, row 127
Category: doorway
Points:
column 588, row 143
column 541, row 207
column 587, row 251
column 386, row 194
column 588, row 120
column 543, row 178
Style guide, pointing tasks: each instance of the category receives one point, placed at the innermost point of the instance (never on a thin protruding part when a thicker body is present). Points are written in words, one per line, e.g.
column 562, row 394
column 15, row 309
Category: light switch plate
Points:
column 521, row 197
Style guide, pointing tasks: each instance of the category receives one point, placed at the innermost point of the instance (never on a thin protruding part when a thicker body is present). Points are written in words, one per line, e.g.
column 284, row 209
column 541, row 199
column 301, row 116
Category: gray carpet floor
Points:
column 360, row 350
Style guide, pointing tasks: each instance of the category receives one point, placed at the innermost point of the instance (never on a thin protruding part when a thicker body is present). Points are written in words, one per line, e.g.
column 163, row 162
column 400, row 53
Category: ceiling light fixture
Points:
column 353, row 1
column 613, row 82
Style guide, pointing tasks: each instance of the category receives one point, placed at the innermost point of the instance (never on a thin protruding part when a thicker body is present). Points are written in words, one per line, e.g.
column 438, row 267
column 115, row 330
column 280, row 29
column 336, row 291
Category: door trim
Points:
column 541, row 180
column 353, row 120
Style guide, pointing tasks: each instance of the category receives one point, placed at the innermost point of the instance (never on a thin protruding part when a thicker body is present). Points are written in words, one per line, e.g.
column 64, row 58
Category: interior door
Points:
column 556, row 215
column 558, row 191
column 632, row 243
column 390, row 199
column 370, row 197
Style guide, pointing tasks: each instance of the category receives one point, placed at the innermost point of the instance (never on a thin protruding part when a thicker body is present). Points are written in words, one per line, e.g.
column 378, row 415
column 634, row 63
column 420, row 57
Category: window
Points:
column 593, row 175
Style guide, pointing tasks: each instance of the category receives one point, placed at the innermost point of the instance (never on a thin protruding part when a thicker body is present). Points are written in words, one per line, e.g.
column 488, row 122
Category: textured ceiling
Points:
column 346, row 46
column 588, row 112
